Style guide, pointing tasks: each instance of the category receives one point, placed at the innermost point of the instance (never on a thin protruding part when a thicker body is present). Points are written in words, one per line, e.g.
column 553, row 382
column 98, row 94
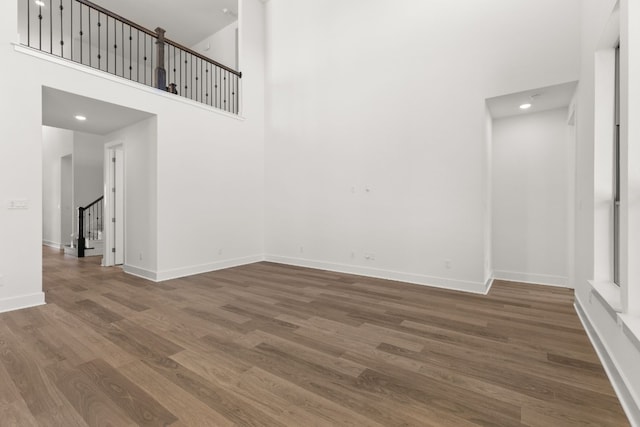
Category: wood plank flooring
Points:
column 272, row 345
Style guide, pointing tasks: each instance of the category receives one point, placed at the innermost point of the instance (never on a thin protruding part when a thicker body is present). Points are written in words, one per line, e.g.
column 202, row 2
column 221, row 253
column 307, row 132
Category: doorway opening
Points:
column 85, row 179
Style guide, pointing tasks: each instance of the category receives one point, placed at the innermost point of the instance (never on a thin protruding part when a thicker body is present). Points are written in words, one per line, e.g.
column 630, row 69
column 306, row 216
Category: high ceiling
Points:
column 186, row 21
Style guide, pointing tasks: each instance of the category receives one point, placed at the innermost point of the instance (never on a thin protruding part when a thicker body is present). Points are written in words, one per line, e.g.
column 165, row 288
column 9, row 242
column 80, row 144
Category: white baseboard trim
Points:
column 161, row 276
column 22, row 301
column 140, row 272
column 630, row 406
column 536, row 279
column 417, row 279
column 51, row 244
column 489, row 283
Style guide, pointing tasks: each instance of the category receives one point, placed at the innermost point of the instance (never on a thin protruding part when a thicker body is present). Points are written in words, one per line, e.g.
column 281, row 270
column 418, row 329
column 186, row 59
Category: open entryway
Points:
column 532, row 161
column 92, row 152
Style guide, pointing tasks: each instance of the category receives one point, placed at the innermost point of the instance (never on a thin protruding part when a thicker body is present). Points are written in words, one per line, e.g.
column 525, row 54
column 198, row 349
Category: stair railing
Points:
column 88, row 34
column 90, row 224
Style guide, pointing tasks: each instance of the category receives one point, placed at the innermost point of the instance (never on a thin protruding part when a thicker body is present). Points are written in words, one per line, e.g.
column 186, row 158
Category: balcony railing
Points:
column 88, row 34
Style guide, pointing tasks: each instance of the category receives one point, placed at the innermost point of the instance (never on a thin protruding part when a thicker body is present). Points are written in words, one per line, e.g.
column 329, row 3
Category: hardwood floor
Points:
column 272, row 345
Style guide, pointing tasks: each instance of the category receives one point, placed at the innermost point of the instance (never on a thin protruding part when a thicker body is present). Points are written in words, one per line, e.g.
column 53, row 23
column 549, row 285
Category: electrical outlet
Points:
column 220, row 251
column 301, row 249
column 140, row 256
column 353, row 254
column 448, row 264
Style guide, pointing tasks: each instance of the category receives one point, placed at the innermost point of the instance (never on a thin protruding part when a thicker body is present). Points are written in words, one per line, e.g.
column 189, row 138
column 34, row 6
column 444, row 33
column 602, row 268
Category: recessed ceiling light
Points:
column 81, row 118
column 40, row 3
column 525, row 106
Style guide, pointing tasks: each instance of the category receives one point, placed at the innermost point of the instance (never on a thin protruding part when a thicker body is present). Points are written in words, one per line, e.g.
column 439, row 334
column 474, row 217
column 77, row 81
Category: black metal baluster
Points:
column 99, row 44
column 137, row 55
column 225, row 93
column 201, row 83
column 29, row 23
column 115, row 48
column 206, row 79
column 81, row 40
column 196, row 82
column 191, row 76
column 212, row 81
column 174, row 66
column 51, row 27
column 186, row 85
column 61, row 31
column 40, row 25
column 233, row 93
column 89, row 21
column 145, row 58
column 130, row 54
column 106, row 44
column 123, row 45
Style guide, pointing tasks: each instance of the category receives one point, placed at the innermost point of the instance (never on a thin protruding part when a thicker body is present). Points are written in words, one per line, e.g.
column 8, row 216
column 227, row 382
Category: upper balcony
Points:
column 88, row 34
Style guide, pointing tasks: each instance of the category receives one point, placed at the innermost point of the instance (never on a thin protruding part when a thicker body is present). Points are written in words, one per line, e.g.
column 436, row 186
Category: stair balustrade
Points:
column 88, row 34
column 90, row 224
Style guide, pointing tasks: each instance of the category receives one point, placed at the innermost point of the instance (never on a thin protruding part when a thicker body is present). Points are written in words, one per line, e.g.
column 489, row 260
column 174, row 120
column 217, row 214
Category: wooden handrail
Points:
column 118, row 17
column 204, row 58
column 93, row 203
column 154, row 34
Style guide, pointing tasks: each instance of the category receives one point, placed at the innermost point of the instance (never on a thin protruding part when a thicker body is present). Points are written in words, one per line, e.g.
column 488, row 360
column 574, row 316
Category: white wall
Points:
column 210, row 165
column 56, row 143
column 376, row 127
column 530, row 191
column 140, row 142
column 220, row 46
column 88, row 153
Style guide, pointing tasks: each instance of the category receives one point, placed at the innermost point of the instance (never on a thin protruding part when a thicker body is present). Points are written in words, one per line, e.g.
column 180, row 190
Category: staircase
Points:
column 87, row 241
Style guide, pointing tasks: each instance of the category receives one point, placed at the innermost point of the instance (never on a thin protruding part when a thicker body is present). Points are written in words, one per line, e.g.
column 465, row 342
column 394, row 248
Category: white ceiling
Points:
column 60, row 108
column 548, row 98
column 186, row 21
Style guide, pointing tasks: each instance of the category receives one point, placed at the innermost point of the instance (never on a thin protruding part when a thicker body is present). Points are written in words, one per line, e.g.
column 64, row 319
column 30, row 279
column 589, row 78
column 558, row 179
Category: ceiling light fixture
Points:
column 40, row 3
column 525, row 106
column 81, row 118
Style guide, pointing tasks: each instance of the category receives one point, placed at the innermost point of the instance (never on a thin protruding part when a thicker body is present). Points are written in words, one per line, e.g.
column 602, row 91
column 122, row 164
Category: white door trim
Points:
column 110, row 148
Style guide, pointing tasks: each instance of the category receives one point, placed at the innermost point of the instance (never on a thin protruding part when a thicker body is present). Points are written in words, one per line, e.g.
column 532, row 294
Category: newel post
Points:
column 160, row 72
